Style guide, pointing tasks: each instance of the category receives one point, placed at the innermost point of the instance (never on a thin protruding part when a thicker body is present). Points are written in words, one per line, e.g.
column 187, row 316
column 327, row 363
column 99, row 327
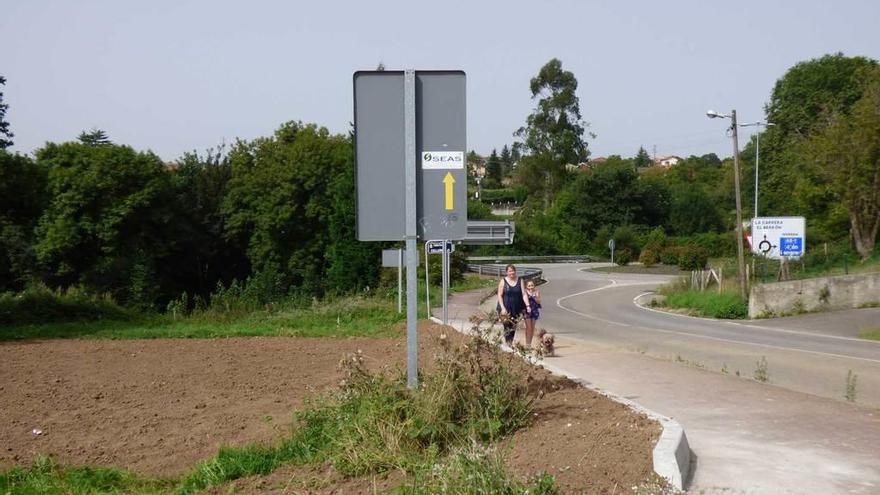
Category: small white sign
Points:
column 435, row 247
column 434, row 160
column 779, row 237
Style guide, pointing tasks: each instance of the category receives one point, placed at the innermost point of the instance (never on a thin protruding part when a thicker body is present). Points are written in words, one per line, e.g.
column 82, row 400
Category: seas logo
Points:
column 442, row 158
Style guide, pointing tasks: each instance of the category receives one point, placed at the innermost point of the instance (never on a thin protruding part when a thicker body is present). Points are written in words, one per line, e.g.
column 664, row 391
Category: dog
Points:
column 546, row 340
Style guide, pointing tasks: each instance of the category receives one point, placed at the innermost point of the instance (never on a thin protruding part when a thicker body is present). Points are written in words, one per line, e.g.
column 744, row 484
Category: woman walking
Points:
column 512, row 302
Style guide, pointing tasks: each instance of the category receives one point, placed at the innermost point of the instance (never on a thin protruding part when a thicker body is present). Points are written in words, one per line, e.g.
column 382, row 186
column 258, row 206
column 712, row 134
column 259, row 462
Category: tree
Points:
column 693, row 211
column 846, row 152
column 827, row 84
column 5, row 134
column 642, row 159
column 22, row 196
column 506, row 161
column 94, row 137
column 610, row 195
column 201, row 255
column 476, row 167
column 554, row 132
column 799, row 105
column 493, row 171
column 291, row 197
column 105, row 222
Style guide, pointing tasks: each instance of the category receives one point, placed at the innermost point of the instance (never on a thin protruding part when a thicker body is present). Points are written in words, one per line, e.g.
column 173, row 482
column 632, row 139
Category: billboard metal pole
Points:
column 400, row 281
column 445, row 282
column 412, row 254
column 427, row 282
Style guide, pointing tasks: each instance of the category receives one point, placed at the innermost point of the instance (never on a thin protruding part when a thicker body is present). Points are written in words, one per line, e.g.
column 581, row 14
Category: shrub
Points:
column 259, row 291
column 654, row 240
column 377, row 424
column 39, row 304
column 670, row 255
column 648, row 257
column 692, row 258
column 626, row 236
column 726, row 305
column 623, row 256
column 457, row 268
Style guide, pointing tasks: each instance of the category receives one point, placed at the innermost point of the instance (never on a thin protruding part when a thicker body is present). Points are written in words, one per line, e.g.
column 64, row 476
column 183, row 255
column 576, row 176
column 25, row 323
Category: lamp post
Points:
column 740, row 256
column 757, row 154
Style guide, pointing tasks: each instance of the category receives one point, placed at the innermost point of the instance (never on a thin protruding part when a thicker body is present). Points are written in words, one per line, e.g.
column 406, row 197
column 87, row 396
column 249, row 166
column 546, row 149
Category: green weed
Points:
column 727, row 305
column 761, row 372
column 475, row 470
column 851, row 382
column 44, row 475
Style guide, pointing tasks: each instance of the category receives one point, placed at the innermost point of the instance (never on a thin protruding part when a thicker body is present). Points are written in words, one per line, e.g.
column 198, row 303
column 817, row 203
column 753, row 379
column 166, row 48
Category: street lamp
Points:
column 757, row 154
column 740, row 256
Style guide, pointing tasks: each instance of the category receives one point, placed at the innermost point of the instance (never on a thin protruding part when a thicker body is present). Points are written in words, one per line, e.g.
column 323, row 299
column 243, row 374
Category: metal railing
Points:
column 499, row 271
column 568, row 258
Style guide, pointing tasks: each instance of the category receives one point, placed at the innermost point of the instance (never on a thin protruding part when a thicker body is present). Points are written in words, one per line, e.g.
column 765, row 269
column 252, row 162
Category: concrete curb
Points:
column 671, row 455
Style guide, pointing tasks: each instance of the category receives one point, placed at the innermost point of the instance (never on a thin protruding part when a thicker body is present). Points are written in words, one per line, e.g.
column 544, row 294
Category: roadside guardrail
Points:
column 568, row 258
column 499, row 271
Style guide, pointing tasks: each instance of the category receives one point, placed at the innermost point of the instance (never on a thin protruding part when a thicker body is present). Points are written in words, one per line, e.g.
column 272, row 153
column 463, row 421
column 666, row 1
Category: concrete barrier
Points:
column 814, row 294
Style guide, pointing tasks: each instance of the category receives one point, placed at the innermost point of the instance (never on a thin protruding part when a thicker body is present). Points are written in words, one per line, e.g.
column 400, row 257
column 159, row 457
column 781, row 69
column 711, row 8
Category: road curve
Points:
column 600, row 308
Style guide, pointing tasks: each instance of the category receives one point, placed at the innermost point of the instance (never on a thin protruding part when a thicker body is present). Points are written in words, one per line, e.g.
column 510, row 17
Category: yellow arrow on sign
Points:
column 448, row 181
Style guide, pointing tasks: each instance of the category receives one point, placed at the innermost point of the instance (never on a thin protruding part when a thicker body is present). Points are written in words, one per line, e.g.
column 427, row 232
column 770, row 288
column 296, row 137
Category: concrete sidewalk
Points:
column 746, row 437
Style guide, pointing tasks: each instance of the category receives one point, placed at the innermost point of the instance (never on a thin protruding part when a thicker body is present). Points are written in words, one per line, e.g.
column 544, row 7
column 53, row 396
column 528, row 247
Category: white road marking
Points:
column 738, row 324
column 685, row 334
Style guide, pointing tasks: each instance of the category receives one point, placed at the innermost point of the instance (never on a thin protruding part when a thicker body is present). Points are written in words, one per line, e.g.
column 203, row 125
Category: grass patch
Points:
column 657, row 269
column 372, row 315
column 726, row 305
column 44, row 475
column 476, row 471
column 341, row 318
column 472, row 396
column 39, row 304
column 871, row 334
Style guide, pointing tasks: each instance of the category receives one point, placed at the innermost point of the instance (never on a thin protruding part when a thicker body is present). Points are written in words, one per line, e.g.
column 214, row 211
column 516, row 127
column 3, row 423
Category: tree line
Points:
column 820, row 160
column 280, row 210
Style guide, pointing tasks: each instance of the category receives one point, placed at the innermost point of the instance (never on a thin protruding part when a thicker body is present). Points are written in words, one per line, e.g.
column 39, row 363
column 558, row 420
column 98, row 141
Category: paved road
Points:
column 809, row 353
column 747, row 437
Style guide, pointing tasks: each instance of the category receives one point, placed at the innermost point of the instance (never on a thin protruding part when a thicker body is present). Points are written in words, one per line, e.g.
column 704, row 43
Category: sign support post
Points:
column 427, row 281
column 400, row 281
column 412, row 254
column 445, row 282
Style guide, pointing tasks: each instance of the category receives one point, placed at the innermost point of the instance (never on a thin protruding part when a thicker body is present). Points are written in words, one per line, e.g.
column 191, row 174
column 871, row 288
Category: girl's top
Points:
column 536, row 308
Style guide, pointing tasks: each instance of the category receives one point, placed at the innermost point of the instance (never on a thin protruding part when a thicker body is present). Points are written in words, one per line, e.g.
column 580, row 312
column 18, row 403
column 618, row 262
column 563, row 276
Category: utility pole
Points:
column 740, row 257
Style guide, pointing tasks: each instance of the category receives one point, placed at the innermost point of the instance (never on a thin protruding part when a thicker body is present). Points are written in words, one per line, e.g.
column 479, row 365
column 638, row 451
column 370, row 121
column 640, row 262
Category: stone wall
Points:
column 814, row 294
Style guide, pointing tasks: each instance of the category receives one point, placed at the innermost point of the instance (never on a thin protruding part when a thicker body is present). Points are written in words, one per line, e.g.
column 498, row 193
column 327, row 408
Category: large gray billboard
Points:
column 441, row 146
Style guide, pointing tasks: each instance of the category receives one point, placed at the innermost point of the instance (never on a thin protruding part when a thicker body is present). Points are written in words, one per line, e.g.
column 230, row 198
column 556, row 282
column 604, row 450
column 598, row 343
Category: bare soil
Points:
column 159, row 406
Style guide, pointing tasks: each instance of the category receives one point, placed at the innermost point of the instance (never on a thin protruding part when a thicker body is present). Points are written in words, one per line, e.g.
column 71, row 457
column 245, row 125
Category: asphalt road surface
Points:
column 793, row 434
column 809, row 353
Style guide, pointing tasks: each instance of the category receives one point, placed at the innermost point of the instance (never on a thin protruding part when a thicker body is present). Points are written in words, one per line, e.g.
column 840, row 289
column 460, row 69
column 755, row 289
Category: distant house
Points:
column 589, row 163
column 667, row 161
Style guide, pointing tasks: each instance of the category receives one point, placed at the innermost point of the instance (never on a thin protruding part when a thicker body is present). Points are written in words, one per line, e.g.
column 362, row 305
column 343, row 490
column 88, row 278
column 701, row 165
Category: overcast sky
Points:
column 174, row 76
